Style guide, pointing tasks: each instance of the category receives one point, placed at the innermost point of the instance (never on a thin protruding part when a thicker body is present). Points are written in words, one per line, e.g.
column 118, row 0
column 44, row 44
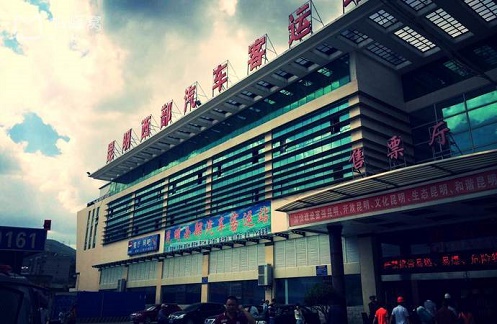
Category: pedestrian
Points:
column 445, row 315
column 373, row 306
column 450, row 303
column 381, row 314
column 465, row 315
column 162, row 315
column 425, row 317
column 234, row 314
column 299, row 316
column 265, row 304
column 271, row 311
column 430, row 306
column 400, row 314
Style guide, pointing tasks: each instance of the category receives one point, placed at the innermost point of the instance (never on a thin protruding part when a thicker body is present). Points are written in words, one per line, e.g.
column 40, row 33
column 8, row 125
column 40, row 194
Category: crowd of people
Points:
column 424, row 313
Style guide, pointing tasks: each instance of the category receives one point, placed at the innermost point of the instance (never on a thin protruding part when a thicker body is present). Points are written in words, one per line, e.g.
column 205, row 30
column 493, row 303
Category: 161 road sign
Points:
column 22, row 239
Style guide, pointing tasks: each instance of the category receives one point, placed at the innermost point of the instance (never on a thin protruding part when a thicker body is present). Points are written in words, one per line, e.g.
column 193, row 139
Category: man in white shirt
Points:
column 400, row 314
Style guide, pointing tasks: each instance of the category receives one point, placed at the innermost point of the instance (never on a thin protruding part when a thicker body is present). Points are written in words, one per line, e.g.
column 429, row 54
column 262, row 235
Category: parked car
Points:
column 149, row 314
column 259, row 319
column 196, row 313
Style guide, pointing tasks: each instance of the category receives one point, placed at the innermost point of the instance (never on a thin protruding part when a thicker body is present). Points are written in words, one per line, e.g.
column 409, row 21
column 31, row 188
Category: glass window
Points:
column 461, row 143
column 483, row 115
column 482, row 100
column 452, row 108
column 486, row 135
column 457, row 123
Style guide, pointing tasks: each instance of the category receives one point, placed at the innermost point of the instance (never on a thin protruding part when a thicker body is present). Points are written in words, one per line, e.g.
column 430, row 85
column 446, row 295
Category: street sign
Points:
column 22, row 239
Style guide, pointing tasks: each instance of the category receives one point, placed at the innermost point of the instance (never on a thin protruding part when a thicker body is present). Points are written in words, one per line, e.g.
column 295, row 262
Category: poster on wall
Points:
column 239, row 224
column 143, row 245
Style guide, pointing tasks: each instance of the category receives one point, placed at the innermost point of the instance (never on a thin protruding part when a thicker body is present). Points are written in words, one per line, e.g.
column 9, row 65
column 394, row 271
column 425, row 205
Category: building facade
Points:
column 364, row 156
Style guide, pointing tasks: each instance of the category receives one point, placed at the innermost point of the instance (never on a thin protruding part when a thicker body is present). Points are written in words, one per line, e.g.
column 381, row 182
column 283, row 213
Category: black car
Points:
column 150, row 313
column 21, row 300
column 196, row 313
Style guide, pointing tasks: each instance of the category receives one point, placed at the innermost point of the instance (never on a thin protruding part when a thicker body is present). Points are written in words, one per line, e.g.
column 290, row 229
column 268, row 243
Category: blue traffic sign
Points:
column 22, row 239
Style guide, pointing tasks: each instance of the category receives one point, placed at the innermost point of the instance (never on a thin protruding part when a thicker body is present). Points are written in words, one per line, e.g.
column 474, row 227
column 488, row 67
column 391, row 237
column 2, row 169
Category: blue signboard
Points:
column 22, row 239
column 144, row 244
column 321, row 270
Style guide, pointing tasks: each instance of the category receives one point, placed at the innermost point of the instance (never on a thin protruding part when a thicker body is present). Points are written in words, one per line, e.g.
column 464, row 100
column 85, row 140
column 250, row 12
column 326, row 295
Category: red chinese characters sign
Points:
column 395, row 148
column 166, row 114
column 300, row 23
column 357, row 158
column 347, row 2
column 110, row 151
column 190, row 98
column 466, row 260
column 146, row 127
column 220, row 77
column 421, row 194
column 127, row 140
column 257, row 53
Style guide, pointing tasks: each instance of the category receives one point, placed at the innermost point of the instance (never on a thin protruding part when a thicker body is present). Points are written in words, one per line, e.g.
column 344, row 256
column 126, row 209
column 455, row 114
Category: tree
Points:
column 323, row 298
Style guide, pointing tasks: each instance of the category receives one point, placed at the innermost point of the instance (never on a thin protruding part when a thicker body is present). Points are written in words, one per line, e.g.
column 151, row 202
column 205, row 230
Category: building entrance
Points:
column 480, row 294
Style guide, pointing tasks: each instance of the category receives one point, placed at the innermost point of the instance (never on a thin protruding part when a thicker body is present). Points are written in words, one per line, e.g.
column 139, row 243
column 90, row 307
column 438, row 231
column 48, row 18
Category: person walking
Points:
column 373, row 306
column 400, row 314
column 271, row 311
column 424, row 316
column 162, row 315
column 299, row 317
column 445, row 315
column 234, row 314
column 381, row 314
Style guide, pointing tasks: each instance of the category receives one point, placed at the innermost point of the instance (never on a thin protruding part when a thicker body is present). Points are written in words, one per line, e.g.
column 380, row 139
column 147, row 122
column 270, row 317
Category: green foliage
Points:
column 321, row 297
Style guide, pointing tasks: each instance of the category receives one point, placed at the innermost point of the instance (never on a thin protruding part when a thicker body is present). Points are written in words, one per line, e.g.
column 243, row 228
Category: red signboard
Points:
column 190, row 98
column 357, row 158
column 166, row 114
column 421, row 194
column 220, row 77
column 146, row 127
column 257, row 53
column 300, row 23
column 452, row 261
column 110, row 151
column 395, row 148
column 127, row 140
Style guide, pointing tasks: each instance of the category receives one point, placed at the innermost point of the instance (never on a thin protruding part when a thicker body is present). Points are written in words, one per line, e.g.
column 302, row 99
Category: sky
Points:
column 75, row 75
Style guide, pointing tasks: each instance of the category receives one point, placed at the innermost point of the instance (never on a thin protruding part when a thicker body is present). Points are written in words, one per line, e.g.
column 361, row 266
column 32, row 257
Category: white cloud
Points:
column 92, row 84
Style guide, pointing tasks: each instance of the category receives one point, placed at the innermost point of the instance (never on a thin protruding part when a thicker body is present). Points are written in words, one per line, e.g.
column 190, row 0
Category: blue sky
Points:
column 77, row 74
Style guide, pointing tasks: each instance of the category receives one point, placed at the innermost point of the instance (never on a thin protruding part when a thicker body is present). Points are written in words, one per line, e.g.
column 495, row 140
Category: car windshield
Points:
column 151, row 308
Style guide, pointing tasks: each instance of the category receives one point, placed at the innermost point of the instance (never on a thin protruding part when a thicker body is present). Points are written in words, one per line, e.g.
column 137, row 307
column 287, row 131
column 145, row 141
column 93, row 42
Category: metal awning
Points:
column 399, row 178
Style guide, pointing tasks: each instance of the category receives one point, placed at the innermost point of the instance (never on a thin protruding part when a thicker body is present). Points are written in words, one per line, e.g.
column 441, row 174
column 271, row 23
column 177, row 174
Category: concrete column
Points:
column 269, row 259
column 337, row 272
column 369, row 272
column 158, row 285
column 204, row 294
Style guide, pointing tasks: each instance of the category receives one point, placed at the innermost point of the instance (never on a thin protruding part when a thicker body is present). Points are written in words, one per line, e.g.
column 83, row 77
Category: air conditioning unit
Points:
column 265, row 275
column 121, row 285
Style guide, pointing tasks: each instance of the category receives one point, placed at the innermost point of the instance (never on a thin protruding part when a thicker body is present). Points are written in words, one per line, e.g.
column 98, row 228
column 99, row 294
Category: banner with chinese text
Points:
column 240, row 224
column 400, row 198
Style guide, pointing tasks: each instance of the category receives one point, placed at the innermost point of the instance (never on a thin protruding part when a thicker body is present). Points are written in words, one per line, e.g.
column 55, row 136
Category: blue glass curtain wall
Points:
column 470, row 117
